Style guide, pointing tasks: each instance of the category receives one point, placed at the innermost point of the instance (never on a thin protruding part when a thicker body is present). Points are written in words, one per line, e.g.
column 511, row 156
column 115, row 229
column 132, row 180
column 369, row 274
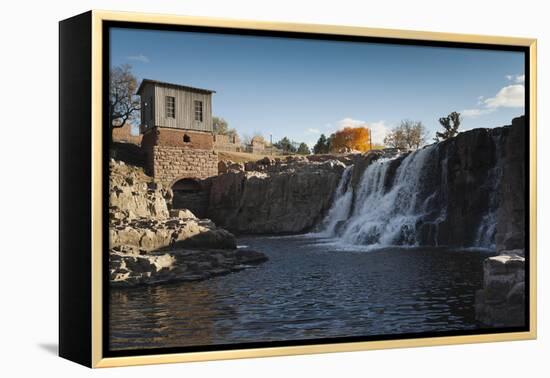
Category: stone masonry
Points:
column 174, row 163
column 178, row 154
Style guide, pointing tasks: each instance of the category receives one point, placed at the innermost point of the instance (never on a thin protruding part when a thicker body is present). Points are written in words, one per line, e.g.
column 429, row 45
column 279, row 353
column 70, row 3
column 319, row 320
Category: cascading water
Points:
column 402, row 202
column 340, row 210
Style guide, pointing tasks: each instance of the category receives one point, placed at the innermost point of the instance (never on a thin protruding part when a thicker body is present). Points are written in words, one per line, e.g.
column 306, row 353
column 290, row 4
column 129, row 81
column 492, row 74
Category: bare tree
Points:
column 220, row 125
column 246, row 139
column 408, row 135
column 124, row 104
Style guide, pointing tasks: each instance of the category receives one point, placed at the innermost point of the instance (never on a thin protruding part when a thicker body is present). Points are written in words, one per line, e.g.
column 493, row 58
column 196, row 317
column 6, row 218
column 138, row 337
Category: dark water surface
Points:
column 308, row 289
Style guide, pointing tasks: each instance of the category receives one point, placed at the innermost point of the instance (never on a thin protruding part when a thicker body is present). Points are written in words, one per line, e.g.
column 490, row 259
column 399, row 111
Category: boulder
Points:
column 182, row 214
column 501, row 302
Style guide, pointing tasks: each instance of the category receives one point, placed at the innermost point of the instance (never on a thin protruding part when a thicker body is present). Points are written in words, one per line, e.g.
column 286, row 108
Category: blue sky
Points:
column 301, row 88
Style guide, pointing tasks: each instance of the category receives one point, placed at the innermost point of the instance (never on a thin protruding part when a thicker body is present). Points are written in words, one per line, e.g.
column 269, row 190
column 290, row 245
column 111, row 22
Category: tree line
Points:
column 409, row 135
column 124, row 108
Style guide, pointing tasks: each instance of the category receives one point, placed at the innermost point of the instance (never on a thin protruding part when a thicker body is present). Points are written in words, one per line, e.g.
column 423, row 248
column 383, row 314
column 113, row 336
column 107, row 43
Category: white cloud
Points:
column 313, row 131
column 511, row 96
column 379, row 129
column 350, row 122
column 473, row 113
column 516, row 78
column 139, row 58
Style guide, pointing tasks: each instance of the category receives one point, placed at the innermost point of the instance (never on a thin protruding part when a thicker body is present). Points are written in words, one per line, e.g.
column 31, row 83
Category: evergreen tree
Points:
column 285, row 145
column 450, row 124
column 322, row 145
column 303, row 149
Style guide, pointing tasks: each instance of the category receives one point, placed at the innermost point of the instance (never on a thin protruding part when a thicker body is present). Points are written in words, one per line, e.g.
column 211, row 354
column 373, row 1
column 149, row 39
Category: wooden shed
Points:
column 174, row 106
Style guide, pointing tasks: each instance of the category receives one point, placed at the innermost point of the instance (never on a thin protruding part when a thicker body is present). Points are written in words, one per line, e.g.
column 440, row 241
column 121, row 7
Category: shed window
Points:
column 198, row 111
column 170, row 107
column 186, row 138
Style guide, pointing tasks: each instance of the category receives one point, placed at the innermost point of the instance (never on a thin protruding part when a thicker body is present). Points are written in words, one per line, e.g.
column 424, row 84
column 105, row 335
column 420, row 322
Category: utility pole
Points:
column 370, row 138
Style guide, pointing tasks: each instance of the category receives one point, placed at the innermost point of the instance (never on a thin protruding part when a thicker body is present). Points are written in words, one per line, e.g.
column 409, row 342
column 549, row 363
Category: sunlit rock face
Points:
column 132, row 194
column 149, row 244
column 129, row 267
column 274, row 196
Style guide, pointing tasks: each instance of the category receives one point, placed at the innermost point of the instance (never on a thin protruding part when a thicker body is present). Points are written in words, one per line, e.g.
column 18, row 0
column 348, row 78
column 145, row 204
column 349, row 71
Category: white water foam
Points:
column 389, row 208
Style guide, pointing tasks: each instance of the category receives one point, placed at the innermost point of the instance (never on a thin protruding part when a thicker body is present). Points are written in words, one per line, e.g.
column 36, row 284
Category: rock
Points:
column 133, row 195
column 129, row 269
column 501, row 302
column 510, row 229
column 223, row 166
column 182, row 214
column 151, row 235
column 274, row 196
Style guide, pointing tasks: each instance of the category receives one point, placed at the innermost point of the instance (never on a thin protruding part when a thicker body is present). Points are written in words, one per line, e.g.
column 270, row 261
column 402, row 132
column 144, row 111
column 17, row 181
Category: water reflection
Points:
column 306, row 290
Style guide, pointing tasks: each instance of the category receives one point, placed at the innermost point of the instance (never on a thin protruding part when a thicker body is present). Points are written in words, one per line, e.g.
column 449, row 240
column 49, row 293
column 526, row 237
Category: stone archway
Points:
column 191, row 194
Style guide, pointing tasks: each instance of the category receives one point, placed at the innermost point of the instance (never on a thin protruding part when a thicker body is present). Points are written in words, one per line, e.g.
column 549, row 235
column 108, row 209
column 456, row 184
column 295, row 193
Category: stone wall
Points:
column 170, row 164
column 178, row 138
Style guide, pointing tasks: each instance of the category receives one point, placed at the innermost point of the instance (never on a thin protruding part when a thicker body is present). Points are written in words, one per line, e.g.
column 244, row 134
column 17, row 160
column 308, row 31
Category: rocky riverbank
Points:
column 148, row 243
column 130, row 267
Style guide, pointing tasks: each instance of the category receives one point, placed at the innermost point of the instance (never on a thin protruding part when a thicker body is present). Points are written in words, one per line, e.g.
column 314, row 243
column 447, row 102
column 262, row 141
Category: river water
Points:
column 310, row 288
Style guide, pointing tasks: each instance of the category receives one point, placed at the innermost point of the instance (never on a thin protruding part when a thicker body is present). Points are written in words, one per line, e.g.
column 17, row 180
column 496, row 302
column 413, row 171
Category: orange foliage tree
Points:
column 350, row 138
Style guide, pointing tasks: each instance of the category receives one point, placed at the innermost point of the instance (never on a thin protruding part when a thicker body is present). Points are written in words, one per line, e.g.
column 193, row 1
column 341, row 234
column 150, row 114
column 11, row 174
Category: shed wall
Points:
column 185, row 112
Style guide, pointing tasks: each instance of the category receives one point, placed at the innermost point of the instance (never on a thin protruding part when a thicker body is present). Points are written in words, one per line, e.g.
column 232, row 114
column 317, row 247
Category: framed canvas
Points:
column 235, row 189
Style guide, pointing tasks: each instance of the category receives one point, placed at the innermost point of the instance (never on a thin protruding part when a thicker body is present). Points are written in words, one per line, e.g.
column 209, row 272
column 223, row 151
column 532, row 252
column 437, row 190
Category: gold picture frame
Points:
column 95, row 20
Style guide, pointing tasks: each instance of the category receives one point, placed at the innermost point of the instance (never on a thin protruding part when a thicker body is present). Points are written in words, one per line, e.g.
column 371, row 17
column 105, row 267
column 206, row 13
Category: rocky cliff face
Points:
column 132, row 194
column 449, row 193
column 273, row 196
column 148, row 243
column 501, row 301
column 510, row 216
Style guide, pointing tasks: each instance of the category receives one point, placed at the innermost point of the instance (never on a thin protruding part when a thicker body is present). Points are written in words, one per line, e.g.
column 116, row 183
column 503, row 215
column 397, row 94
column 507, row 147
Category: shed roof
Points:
column 172, row 85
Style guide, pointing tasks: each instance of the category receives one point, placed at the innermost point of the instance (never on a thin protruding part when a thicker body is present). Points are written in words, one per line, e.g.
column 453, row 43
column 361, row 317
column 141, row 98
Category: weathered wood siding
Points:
column 147, row 112
column 185, row 111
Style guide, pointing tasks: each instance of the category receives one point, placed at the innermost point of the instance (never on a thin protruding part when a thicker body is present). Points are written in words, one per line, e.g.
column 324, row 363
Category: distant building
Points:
column 227, row 143
column 257, row 145
column 176, row 128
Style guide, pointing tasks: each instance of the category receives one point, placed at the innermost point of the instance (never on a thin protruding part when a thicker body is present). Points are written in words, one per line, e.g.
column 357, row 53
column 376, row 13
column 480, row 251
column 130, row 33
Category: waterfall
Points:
column 404, row 201
column 340, row 210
